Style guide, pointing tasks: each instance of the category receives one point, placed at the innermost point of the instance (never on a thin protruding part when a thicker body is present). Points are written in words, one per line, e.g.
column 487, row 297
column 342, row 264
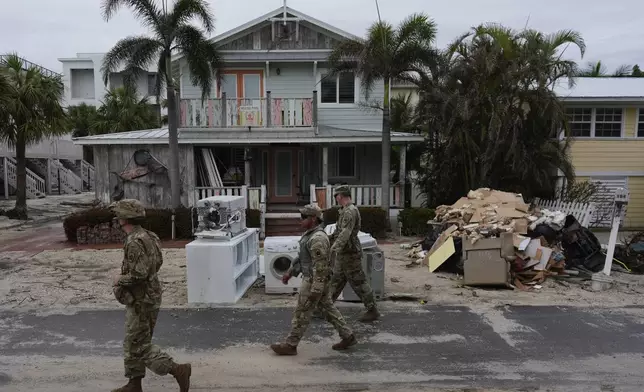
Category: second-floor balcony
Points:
column 267, row 112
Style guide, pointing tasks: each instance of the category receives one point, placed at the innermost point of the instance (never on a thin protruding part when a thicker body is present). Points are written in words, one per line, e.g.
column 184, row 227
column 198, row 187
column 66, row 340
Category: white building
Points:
column 84, row 83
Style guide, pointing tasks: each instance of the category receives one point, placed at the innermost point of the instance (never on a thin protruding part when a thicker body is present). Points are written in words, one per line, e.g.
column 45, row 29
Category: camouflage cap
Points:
column 342, row 190
column 128, row 209
column 311, row 210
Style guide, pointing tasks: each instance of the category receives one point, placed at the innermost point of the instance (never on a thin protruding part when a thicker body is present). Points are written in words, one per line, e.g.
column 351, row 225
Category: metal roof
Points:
column 607, row 88
column 243, row 136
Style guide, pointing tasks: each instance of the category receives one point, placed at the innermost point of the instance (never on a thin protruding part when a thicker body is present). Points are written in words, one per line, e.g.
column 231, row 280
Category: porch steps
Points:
column 283, row 227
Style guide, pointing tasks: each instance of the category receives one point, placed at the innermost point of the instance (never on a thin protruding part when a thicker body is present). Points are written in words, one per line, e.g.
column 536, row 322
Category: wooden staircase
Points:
column 36, row 186
column 62, row 180
column 87, row 174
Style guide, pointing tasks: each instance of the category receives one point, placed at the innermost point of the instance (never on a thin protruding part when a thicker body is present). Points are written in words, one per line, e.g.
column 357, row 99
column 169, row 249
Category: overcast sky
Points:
column 44, row 30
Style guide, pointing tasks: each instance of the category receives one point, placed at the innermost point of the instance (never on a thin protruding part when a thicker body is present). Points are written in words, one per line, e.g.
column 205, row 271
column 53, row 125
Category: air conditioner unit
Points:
column 373, row 264
column 221, row 217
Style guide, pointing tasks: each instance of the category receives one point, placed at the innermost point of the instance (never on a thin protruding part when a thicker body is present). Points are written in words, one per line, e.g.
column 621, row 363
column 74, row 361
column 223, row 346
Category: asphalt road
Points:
column 430, row 348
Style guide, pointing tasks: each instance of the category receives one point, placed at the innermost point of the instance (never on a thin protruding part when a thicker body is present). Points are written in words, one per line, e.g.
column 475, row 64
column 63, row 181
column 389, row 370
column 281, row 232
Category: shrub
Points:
column 158, row 221
column 414, row 220
column 374, row 220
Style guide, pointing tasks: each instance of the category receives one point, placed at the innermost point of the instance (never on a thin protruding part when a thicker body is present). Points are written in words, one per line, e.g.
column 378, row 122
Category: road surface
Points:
column 428, row 348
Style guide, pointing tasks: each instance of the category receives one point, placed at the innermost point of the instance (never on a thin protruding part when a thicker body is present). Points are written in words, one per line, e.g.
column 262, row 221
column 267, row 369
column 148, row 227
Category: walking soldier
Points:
column 348, row 255
column 314, row 264
column 138, row 288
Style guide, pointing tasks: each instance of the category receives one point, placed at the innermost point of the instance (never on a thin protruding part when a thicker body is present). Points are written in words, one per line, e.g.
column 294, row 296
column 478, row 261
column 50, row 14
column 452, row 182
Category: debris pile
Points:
column 494, row 238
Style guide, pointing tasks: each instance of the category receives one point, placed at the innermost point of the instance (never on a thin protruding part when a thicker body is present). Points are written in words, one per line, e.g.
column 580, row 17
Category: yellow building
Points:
column 607, row 124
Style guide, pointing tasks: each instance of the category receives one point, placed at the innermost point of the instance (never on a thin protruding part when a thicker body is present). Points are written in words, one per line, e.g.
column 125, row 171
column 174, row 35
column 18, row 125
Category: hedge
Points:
column 157, row 220
column 373, row 220
column 414, row 220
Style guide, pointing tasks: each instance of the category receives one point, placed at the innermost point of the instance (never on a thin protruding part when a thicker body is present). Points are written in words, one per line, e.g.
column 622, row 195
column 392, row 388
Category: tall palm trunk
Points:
column 386, row 149
column 20, row 210
column 173, row 139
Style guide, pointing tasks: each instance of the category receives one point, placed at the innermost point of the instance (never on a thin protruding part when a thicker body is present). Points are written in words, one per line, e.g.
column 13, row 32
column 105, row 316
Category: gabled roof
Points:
column 277, row 13
column 601, row 89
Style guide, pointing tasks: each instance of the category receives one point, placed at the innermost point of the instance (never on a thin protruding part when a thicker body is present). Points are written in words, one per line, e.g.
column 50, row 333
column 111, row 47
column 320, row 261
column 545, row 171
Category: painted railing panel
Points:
column 362, row 195
column 36, row 186
column 245, row 112
column 288, row 112
column 69, row 182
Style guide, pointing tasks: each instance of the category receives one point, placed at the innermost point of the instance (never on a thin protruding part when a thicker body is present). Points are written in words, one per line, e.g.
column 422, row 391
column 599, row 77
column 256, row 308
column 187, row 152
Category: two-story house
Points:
column 84, row 83
column 277, row 128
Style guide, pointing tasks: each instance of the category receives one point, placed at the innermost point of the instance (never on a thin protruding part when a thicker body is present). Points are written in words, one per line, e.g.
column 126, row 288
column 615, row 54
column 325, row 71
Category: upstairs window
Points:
column 338, row 89
column 580, row 121
column 608, row 122
column 599, row 122
column 640, row 123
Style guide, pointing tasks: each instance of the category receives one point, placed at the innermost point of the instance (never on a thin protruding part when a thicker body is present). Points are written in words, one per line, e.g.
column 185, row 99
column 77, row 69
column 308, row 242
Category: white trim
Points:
column 336, row 104
column 309, row 140
column 600, row 100
column 335, row 174
column 281, row 215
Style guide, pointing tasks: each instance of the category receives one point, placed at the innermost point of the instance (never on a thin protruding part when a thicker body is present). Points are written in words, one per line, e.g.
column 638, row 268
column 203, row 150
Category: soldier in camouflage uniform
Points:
column 138, row 288
column 347, row 250
column 314, row 264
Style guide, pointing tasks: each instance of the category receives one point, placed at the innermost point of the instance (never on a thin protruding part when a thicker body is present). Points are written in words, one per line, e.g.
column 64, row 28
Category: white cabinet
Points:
column 220, row 272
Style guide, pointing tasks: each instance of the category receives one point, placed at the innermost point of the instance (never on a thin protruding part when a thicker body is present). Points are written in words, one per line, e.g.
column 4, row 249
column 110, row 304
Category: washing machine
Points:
column 279, row 253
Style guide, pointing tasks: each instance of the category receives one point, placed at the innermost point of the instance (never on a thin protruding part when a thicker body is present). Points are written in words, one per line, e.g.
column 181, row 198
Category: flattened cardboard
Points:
column 444, row 252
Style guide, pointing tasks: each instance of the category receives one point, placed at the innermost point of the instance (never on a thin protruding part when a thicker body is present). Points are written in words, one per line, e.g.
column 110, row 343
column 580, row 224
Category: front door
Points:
column 283, row 186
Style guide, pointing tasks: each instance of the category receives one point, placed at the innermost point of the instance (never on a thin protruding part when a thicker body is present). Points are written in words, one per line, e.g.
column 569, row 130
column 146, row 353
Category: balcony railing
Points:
column 266, row 112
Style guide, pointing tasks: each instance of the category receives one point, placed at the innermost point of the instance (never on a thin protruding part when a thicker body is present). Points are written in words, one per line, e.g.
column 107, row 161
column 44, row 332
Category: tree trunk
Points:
column 173, row 138
column 20, row 210
column 386, row 150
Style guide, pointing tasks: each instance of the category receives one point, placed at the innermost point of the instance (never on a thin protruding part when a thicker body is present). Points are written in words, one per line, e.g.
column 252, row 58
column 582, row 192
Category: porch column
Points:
column 325, row 165
column 403, row 174
column 224, row 107
column 247, row 167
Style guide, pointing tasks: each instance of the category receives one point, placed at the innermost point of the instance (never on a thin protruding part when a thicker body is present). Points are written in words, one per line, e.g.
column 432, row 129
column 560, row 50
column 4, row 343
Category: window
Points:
column 608, row 122
column 339, row 89
column 640, row 123
column 152, row 82
column 600, row 122
column 345, row 161
column 580, row 121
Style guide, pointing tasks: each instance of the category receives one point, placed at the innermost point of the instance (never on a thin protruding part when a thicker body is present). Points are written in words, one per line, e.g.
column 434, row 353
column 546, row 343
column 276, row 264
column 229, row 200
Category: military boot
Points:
column 345, row 343
column 182, row 374
column 134, row 385
column 284, row 349
column 370, row 315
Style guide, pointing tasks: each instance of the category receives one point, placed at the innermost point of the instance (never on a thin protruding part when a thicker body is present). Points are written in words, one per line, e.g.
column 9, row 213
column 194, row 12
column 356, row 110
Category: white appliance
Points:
column 221, row 217
column 222, row 271
column 373, row 265
column 279, row 253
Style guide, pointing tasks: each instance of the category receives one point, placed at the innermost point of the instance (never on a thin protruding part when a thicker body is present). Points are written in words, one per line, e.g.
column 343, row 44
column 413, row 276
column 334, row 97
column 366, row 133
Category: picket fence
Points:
column 583, row 212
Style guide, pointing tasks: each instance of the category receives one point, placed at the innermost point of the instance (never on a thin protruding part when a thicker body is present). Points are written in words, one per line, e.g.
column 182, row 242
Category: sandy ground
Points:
column 76, row 279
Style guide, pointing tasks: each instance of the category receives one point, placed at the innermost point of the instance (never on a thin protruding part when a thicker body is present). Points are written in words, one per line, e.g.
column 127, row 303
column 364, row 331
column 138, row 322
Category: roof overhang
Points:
column 581, row 100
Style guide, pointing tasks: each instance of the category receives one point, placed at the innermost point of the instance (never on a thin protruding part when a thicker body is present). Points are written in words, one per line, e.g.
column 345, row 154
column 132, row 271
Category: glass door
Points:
column 283, row 175
column 251, row 105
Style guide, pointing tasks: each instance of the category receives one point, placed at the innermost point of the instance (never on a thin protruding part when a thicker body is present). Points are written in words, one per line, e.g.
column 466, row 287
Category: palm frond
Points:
column 204, row 60
column 135, row 53
column 145, row 11
column 185, row 10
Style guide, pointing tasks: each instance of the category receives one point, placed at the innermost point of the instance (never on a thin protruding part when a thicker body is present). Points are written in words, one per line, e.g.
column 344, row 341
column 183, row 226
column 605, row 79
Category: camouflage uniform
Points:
column 347, row 250
column 314, row 263
column 139, row 289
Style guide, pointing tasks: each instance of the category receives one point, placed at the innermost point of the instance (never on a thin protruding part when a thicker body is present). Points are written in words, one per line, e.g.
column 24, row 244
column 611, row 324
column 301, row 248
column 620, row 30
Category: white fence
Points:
column 583, row 212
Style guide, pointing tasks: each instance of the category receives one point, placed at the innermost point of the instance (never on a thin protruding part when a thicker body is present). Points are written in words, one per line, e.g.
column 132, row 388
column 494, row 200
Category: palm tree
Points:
column 387, row 53
column 31, row 111
column 598, row 70
column 491, row 116
column 122, row 111
column 171, row 33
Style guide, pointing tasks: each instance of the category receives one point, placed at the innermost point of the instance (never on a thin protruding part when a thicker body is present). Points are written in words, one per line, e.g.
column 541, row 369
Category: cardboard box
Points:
column 485, row 261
